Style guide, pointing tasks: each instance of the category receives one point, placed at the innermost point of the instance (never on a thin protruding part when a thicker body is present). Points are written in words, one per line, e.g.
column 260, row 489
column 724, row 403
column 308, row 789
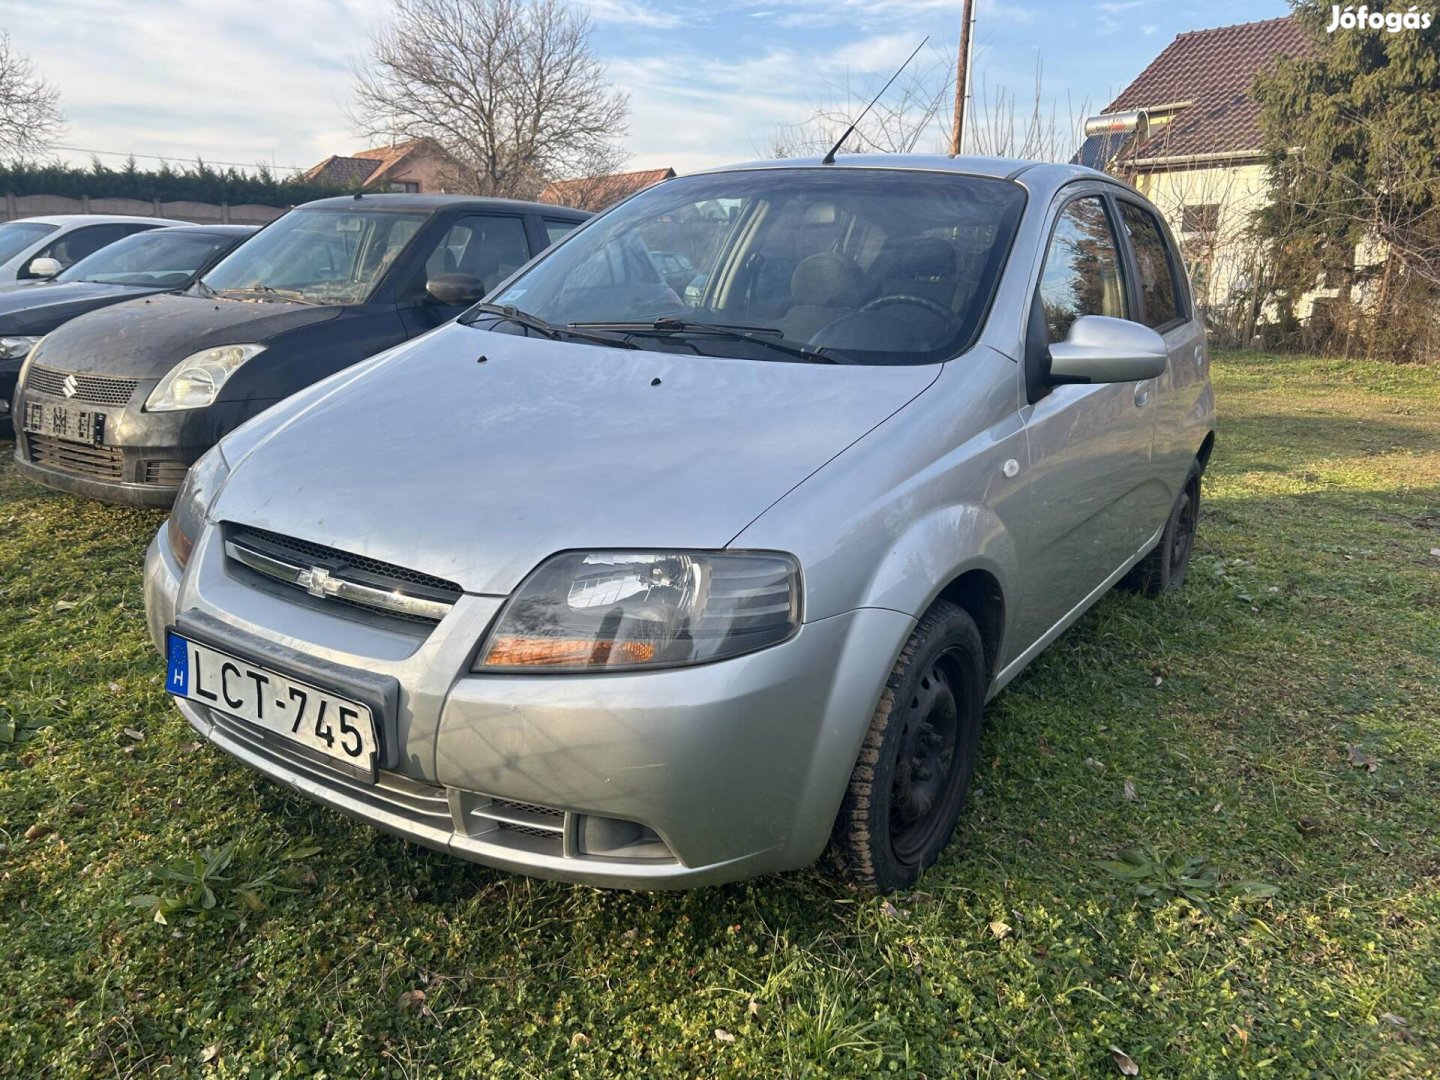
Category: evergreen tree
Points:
column 1353, row 134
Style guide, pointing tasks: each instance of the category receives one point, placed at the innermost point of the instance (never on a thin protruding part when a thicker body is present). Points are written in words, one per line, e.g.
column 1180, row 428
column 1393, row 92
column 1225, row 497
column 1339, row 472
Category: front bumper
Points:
column 144, row 457
column 738, row 766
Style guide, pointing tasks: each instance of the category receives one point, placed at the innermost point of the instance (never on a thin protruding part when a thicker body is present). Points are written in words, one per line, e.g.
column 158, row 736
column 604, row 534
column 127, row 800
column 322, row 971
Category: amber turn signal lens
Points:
column 566, row 652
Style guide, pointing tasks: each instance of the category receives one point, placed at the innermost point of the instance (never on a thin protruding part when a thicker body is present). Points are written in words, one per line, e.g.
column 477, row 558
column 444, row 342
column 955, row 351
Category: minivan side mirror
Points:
column 1100, row 349
column 44, row 268
column 455, row 289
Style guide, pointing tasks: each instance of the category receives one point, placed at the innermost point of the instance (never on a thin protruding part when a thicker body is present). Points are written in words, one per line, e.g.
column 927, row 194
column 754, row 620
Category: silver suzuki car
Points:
column 650, row 583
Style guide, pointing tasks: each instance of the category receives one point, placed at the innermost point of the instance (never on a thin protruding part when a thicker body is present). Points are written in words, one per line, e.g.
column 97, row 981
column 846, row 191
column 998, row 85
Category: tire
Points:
column 918, row 759
column 1163, row 569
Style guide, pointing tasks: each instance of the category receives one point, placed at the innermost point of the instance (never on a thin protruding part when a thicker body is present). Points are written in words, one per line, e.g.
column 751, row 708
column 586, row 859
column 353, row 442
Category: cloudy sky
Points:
column 709, row 80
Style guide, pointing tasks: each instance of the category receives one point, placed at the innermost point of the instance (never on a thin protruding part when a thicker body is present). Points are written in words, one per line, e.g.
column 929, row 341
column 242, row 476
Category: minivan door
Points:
column 1090, row 445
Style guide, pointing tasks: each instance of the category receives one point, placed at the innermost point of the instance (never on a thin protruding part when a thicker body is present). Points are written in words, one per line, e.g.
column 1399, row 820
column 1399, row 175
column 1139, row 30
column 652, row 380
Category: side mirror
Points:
column 44, row 268
column 1100, row 349
column 455, row 289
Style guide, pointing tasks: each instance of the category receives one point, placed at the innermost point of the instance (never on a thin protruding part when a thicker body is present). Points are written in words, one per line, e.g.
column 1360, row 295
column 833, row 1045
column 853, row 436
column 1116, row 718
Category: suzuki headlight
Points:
column 621, row 610
column 196, row 381
column 17, row 347
column 187, row 516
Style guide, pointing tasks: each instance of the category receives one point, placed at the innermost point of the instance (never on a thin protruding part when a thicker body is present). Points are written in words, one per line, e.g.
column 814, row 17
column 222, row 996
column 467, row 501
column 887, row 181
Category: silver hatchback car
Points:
column 643, row 583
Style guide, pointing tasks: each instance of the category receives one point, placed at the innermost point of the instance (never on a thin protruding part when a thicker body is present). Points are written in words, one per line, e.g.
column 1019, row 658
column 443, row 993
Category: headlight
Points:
column 17, row 348
column 196, row 381
column 202, row 482
column 633, row 609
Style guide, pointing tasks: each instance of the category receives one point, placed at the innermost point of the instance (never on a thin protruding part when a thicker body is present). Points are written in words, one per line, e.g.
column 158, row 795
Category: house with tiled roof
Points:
column 598, row 192
column 1187, row 133
column 416, row 166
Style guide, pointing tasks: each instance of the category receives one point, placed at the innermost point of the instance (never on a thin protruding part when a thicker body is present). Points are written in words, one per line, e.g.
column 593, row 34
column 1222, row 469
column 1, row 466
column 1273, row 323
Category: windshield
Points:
column 866, row 266
column 16, row 236
column 155, row 259
column 322, row 256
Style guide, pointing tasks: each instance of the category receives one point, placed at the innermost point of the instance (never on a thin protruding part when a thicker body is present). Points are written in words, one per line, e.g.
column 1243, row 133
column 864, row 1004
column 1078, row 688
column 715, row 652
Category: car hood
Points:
column 476, row 470
column 40, row 308
column 143, row 339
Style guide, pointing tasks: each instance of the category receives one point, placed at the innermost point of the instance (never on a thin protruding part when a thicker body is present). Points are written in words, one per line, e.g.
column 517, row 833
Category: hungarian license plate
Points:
column 65, row 422
column 324, row 723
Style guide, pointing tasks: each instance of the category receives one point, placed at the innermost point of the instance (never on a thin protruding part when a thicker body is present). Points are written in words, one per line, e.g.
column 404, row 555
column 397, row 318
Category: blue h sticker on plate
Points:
column 177, row 679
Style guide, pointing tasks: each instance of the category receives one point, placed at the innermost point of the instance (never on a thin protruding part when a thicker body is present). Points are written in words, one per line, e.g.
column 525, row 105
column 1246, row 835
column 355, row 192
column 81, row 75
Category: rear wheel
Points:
column 1164, row 567
column 915, row 768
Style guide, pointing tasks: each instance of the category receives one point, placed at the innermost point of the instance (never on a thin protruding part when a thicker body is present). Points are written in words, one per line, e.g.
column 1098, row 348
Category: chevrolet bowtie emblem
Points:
column 71, row 385
column 318, row 582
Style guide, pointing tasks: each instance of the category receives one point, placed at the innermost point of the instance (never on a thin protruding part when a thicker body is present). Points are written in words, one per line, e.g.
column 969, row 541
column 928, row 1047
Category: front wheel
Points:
column 915, row 768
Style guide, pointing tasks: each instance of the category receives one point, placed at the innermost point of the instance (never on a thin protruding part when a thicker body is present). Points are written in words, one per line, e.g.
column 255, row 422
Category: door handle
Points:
column 1142, row 394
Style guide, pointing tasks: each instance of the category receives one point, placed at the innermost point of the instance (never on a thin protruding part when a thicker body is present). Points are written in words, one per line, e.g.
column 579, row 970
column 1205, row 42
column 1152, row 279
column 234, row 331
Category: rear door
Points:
column 1164, row 304
column 1090, row 446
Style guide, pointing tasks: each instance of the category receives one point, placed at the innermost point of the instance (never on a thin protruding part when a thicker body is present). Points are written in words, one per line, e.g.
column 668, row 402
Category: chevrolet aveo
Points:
column 648, row 583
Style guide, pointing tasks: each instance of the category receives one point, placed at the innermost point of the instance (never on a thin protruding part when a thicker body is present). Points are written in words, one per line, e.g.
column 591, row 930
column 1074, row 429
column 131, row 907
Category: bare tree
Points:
column 911, row 116
column 915, row 116
column 29, row 107
column 1004, row 124
column 508, row 89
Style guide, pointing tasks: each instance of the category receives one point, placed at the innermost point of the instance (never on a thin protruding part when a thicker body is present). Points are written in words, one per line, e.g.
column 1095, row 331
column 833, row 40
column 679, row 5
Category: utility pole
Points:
column 962, row 76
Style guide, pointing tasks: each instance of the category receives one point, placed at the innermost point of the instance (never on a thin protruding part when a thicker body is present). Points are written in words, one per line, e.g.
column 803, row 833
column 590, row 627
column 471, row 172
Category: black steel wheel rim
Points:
column 930, row 767
column 1184, row 532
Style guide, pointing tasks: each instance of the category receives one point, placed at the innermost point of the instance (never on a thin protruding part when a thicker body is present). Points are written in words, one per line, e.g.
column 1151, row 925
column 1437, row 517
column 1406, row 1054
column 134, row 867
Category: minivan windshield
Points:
column 158, row 258
column 16, row 236
column 316, row 255
column 846, row 264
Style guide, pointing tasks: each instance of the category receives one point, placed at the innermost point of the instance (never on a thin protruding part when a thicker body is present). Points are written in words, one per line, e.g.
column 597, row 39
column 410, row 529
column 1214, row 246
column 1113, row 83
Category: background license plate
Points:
column 325, row 723
column 65, row 422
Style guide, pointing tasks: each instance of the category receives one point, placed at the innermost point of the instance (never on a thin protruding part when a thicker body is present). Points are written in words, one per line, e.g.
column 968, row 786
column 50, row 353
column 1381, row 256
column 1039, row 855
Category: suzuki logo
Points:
column 318, row 582
column 71, row 385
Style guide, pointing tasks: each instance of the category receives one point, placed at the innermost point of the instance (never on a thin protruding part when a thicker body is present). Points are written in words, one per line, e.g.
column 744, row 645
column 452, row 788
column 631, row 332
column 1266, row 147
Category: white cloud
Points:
column 632, row 13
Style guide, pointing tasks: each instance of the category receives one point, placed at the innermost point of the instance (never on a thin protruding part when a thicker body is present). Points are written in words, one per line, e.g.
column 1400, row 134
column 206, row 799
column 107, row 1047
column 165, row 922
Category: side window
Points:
column 556, row 230
column 1082, row 269
column 1158, row 290
column 74, row 246
column 479, row 246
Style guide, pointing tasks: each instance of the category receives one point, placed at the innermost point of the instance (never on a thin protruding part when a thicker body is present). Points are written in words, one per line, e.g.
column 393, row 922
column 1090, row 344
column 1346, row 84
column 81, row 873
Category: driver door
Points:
column 485, row 247
column 1090, row 445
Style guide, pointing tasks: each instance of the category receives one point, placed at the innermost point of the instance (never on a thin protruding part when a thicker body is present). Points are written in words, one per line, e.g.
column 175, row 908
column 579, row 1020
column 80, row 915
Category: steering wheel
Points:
column 932, row 306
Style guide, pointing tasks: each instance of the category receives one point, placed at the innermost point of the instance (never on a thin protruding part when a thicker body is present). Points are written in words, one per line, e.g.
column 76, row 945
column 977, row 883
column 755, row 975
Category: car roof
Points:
column 213, row 230
column 98, row 219
column 432, row 203
column 1033, row 174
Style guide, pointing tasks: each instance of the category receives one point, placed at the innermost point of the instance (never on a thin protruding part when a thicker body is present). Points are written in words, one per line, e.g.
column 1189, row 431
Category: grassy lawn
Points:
column 1278, row 721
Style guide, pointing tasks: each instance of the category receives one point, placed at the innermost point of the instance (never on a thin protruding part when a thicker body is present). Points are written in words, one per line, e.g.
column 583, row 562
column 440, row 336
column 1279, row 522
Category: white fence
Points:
column 21, row 206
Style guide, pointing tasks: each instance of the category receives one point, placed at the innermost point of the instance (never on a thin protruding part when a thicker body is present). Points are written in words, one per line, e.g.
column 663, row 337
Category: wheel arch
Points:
column 980, row 595
column 1203, row 454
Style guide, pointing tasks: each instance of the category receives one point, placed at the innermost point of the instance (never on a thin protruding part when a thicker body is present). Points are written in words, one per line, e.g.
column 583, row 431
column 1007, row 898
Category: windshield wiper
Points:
column 268, row 290
column 757, row 335
column 510, row 313
column 205, row 290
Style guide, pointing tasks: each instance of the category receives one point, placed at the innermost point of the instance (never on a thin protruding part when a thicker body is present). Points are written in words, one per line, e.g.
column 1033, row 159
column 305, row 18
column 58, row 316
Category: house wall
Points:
column 1221, row 258
column 427, row 170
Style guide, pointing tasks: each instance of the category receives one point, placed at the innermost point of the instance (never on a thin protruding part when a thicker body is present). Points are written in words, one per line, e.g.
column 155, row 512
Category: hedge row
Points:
column 199, row 183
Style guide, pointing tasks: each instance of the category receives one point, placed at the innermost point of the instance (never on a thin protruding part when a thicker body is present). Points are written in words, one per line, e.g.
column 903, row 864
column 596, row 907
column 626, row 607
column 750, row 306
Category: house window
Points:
column 405, row 187
column 1202, row 218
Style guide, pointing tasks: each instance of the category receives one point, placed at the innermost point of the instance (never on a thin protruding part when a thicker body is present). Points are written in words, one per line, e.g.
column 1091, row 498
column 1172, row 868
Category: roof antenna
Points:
column 829, row 159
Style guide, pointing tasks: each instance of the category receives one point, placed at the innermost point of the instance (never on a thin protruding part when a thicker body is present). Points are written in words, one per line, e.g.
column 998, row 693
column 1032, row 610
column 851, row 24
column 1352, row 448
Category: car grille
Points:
column 166, row 473
column 394, row 591
column 93, row 389
column 425, row 805
column 83, row 459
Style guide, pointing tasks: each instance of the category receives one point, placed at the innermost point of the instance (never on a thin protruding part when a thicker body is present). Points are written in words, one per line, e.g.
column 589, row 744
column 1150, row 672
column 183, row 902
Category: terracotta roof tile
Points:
column 598, row 192
column 1213, row 70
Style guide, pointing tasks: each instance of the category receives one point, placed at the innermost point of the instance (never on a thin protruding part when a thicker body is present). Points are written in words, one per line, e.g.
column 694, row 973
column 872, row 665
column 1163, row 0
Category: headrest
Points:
column 825, row 280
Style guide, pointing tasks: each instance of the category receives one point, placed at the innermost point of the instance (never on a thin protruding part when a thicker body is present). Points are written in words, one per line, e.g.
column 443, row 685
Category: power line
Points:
column 173, row 157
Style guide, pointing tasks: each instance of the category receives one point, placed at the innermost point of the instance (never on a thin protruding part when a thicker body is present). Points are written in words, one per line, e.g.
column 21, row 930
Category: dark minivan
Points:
column 157, row 260
column 117, row 404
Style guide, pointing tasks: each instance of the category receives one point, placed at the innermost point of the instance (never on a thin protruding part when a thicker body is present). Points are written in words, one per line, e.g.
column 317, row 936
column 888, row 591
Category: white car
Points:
column 26, row 243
